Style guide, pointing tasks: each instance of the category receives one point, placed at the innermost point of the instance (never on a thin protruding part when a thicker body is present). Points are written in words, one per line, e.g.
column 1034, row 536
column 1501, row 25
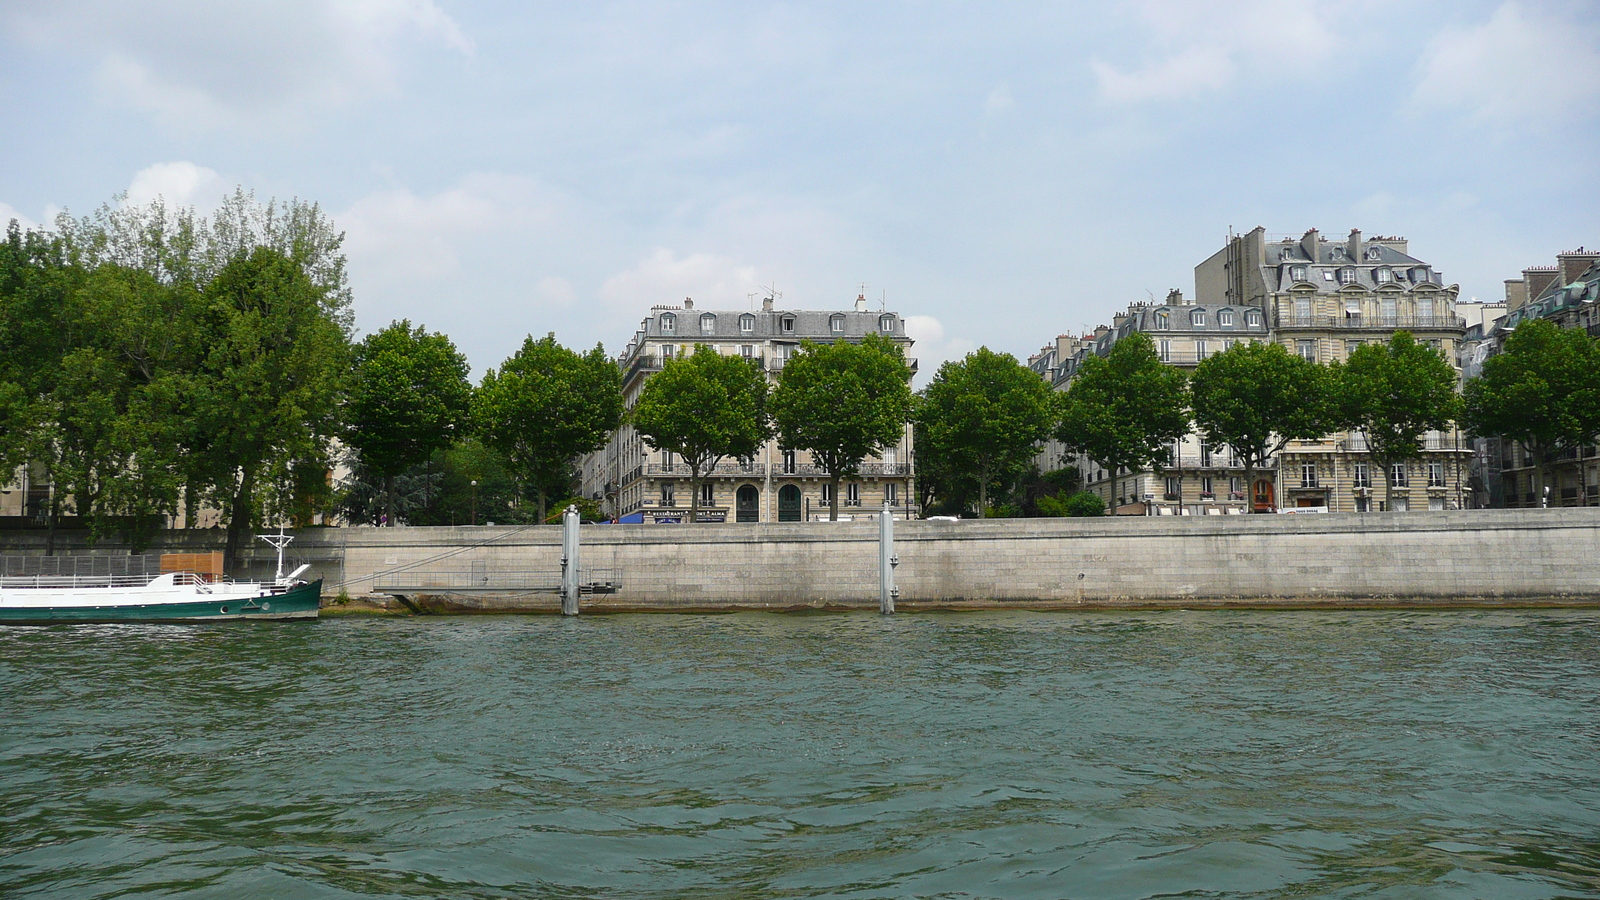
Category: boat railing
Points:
column 94, row 581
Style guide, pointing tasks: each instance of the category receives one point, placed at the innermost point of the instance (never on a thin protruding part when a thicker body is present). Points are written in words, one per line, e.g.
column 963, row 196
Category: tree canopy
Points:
column 1256, row 397
column 1124, row 409
column 704, row 407
column 1394, row 393
column 842, row 402
column 1542, row 389
column 409, row 397
column 983, row 417
column 544, row 406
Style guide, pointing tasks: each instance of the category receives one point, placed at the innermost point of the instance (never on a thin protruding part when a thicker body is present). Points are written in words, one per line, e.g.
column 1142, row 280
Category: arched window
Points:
column 708, row 323
column 669, row 323
column 836, row 324
column 1383, row 276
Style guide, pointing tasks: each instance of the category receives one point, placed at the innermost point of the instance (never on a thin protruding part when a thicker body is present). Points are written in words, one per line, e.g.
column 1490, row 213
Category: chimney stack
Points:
column 1352, row 249
column 688, row 303
column 766, row 305
column 861, row 303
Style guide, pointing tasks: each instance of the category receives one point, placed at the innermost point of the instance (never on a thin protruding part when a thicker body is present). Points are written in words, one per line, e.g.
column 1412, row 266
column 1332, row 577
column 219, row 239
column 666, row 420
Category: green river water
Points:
column 1192, row 754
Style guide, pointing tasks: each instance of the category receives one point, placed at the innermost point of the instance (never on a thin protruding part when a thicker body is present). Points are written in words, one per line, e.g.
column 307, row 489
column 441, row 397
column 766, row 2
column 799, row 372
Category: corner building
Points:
column 638, row 484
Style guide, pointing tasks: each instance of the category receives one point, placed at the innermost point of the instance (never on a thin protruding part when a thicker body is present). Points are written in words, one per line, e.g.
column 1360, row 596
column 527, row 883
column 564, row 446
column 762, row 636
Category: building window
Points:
column 669, row 323
column 1199, row 349
column 1386, row 310
column 1205, row 486
column 1253, row 318
column 886, row 324
column 1352, row 310
column 1419, row 274
column 1308, row 475
column 666, row 352
column 1197, row 318
column 1436, row 474
column 1327, row 274
column 1350, row 348
column 708, row 494
column 708, row 323
column 1161, row 321
column 788, row 462
column 1302, row 310
column 852, row 494
column 1363, row 504
column 836, row 324
column 1400, row 503
column 1228, row 344
column 787, row 324
column 1225, row 318
column 1307, row 350
column 1397, row 476
column 1174, row 487
column 891, row 493
column 1361, row 478
column 747, row 350
column 1235, row 490
column 666, row 495
column 1384, row 276
column 668, row 460
column 1297, row 273
column 827, row 494
column 1424, row 310
column 747, row 323
column 1164, row 348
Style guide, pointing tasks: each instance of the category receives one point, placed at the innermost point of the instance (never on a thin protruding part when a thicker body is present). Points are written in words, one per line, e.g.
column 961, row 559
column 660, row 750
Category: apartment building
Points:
column 638, row 484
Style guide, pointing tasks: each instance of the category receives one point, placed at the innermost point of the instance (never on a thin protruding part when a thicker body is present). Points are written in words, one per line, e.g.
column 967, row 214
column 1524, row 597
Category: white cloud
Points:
column 711, row 280
column 9, row 212
column 1523, row 65
column 932, row 348
column 179, row 184
column 1198, row 46
column 232, row 62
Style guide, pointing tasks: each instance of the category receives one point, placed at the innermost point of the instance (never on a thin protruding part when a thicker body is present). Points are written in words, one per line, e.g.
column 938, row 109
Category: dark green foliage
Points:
column 1256, row 397
column 1393, row 394
column 1542, row 389
column 843, row 402
column 544, row 406
column 704, row 407
column 1082, row 503
column 409, row 397
column 979, row 423
column 1124, row 409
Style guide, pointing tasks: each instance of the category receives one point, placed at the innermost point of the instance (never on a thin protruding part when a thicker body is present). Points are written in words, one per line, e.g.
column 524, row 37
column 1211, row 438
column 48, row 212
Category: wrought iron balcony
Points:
column 1373, row 323
column 721, row 470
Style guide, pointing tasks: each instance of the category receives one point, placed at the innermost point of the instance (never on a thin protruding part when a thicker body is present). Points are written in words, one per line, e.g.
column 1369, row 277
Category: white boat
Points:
column 169, row 597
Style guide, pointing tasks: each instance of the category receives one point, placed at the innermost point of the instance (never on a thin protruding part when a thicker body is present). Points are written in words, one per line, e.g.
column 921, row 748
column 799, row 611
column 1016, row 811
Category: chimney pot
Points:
column 688, row 303
column 766, row 305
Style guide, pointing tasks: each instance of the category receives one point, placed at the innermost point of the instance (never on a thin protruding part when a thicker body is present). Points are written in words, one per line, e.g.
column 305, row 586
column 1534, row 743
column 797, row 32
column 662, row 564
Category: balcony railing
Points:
column 1374, row 323
column 866, row 470
column 736, row 470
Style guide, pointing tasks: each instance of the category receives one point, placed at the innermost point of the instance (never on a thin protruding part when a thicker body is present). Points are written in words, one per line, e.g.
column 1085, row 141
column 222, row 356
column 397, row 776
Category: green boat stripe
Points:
column 298, row 603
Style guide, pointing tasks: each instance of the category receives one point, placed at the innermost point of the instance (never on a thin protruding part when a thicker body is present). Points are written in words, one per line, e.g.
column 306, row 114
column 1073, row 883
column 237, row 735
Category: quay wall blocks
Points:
column 1470, row 556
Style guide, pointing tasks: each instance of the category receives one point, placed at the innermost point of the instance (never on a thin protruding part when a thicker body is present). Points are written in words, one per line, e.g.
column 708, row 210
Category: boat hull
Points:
column 299, row 602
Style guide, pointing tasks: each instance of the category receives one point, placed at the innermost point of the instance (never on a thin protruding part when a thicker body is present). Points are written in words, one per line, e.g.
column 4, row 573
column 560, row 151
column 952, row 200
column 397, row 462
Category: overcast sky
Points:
column 1001, row 172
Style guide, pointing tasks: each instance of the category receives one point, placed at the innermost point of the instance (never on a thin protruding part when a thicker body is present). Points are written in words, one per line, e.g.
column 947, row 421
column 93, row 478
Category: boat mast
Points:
column 278, row 541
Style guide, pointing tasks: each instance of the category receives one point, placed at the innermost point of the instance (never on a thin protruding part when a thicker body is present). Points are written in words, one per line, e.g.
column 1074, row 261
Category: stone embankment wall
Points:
column 1477, row 557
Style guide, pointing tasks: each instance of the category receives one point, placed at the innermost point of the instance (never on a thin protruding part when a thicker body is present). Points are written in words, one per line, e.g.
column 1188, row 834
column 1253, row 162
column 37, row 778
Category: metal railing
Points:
column 866, row 470
column 679, row 470
column 145, row 566
column 1373, row 323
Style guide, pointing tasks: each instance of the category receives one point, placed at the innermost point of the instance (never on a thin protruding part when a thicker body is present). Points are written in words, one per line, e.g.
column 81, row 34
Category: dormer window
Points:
column 1347, row 275
column 669, row 323
column 1419, row 274
column 786, row 324
column 1253, row 318
column 747, row 323
column 1383, row 276
column 886, row 324
column 1374, row 253
column 708, row 324
column 1225, row 318
column 1297, row 273
column 1197, row 318
column 1162, row 324
column 1327, row 274
column 836, row 324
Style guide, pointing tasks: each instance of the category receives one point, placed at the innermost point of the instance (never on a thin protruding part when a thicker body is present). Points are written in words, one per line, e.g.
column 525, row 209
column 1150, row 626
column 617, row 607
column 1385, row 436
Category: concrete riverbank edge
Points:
column 1444, row 559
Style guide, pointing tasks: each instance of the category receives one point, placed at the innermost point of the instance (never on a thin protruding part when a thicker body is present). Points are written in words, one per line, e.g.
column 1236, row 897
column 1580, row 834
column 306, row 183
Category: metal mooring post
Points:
column 887, row 561
column 569, row 562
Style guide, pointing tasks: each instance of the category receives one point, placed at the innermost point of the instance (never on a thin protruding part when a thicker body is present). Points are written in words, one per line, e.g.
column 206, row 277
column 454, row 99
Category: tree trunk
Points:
column 55, row 513
column 694, row 495
column 542, row 501
column 1388, row 485
column 983, row 494
column 191, row 504
column 1249, row 483
column 239, row 519
column 833, row 499
column 388, row 500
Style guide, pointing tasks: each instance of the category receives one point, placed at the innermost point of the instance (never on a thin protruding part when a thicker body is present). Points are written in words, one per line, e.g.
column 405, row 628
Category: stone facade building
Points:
column 638, row 484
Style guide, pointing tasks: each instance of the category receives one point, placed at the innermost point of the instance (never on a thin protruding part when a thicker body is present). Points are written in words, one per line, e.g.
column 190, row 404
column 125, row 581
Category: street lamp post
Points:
column 474, row 501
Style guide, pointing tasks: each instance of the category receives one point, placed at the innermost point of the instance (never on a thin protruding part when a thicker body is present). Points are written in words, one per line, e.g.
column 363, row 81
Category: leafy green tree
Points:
column 984, row 416
column 704, row 407
column 268, row 387
column 1079, row 504
column 1256, row 397
column 1393, row 394
column 843, row 402
column 409, row 397
column 1124, row 409
column 544, row 406
column 1542, row 390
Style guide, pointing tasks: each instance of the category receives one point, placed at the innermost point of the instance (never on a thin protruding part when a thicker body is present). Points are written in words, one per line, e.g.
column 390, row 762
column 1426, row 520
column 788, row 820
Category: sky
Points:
column 998, row 173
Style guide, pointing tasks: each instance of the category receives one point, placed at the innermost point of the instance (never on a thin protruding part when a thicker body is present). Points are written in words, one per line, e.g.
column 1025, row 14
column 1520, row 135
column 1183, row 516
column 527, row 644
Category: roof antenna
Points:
column 883, row 300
